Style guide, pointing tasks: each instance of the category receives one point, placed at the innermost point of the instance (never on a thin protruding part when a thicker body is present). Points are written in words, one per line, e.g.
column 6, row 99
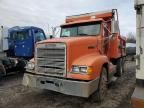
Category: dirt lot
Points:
column 14, row 95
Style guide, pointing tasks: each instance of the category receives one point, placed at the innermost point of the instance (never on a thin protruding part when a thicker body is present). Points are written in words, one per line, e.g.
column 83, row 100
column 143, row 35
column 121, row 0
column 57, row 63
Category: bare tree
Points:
column 131, row 37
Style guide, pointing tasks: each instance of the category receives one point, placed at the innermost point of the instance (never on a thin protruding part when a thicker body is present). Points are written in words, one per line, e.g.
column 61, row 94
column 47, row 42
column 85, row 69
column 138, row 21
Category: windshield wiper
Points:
column 64, row 36
column 83, row 34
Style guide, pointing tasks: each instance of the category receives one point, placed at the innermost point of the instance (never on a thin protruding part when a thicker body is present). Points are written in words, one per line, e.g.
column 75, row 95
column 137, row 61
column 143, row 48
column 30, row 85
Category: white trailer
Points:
column 3, row 48
column 7, row 64
column 138, row 95
column 3, row 39
column 139, row 6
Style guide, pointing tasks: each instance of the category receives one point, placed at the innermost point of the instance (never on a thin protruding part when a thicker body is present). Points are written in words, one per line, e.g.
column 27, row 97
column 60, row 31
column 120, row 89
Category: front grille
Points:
column 51, row 59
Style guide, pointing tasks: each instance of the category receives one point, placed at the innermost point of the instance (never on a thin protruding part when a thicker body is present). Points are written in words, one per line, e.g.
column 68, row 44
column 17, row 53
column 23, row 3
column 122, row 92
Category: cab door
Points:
column 23, row 44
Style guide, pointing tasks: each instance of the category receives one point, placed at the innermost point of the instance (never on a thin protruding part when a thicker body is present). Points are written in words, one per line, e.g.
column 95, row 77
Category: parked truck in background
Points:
column 17, row 46
column 22, row 41
column 130, row 51
column 138, row 95
column 89, row 52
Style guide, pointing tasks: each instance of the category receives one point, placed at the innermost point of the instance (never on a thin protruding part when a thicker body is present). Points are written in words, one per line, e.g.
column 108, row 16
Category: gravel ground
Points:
column 14, row 95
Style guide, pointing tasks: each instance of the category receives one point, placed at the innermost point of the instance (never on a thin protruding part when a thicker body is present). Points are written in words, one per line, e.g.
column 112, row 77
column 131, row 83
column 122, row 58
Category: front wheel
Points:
column 100, row 94
column 2, row 71
column 21, row 65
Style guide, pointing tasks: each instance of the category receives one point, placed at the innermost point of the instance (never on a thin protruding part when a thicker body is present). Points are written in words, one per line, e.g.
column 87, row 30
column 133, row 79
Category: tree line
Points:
column 131, row 38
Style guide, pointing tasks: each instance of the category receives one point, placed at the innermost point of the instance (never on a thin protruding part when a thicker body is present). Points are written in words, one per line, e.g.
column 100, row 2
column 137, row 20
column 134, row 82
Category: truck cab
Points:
column 82, row 61
column 17, row 45
column 22, row 41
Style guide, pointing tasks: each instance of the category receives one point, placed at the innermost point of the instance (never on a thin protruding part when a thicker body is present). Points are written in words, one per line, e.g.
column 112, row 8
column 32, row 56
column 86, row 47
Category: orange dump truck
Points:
column 83, row 60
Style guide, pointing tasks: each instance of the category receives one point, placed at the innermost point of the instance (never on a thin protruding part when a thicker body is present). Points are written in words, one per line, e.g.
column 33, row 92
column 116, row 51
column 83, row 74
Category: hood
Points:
column 71, row 40
column 77, row 47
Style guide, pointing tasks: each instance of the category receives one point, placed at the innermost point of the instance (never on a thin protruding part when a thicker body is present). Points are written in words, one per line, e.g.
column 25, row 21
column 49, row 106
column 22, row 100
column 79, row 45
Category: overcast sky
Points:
column 45, row 13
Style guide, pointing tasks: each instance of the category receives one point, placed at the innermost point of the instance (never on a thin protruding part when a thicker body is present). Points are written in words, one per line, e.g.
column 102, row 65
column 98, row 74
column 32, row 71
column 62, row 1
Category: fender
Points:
column 96, row 61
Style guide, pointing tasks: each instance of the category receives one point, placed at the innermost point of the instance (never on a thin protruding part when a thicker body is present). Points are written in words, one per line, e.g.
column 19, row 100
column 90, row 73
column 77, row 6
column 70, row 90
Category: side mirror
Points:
column 115, row 27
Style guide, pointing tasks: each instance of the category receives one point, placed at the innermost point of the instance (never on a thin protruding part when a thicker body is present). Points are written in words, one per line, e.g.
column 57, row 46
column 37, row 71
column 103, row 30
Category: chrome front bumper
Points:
column 69, row 87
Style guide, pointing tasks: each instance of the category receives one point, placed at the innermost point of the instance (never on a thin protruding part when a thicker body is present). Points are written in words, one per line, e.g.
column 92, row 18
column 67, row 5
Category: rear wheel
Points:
column 120, row 67
column 123, row 64
column 100, row 94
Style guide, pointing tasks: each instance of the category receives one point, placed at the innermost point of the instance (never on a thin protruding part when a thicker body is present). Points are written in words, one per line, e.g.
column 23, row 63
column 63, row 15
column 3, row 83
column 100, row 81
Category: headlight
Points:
column 16, row 61
column 82, row 69
column 30, row 66
column 75, row 69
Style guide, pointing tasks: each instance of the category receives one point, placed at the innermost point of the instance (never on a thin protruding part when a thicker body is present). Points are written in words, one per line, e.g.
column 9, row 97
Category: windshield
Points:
column 81, row 30
column 19, row 35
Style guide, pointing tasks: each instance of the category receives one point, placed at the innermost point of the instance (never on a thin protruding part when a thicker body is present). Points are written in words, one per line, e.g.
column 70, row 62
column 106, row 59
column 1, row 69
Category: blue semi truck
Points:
column 17, row 47
column 22, row 40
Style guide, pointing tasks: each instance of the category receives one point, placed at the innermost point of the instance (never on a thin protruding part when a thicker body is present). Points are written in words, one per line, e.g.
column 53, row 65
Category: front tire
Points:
column 100, row 94
column 21, row 65
column 2, row 71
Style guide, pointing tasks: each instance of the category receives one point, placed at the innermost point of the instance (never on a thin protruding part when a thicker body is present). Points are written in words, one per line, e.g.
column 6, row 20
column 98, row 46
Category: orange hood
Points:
column 77, row 47
column 70, row 40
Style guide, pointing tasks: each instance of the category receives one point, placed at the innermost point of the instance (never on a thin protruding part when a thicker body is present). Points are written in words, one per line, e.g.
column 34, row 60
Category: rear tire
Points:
column 123, row 64
column 100, row 94
column 120, row 67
